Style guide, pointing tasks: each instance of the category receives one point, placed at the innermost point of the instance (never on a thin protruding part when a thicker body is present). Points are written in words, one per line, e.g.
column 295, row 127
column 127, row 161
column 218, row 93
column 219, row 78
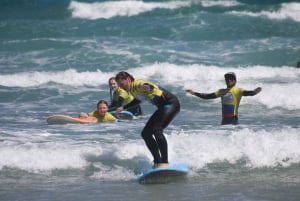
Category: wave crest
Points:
column 110, row 9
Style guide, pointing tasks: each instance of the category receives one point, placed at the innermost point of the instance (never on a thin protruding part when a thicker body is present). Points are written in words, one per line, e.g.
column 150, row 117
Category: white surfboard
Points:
column 65, row 119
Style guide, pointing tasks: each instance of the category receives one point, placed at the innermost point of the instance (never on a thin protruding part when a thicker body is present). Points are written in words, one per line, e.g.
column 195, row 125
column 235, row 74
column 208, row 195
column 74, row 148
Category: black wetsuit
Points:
column 167, row 107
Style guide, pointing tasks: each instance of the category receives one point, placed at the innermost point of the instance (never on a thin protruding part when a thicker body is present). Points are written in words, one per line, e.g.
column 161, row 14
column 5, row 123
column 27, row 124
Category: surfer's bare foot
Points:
column 160, row 165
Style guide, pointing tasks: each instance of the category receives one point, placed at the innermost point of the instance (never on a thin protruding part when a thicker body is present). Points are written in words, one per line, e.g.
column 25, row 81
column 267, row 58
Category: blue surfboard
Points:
column 65, row 119
column 164, row 175
column 124, row 115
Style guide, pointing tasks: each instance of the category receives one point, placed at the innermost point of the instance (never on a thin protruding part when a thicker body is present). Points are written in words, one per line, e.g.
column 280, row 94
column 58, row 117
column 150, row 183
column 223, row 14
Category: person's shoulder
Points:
column 222, row 90
column 139, row 83
column 122, row 91
column 237, row 89
column 142, row 81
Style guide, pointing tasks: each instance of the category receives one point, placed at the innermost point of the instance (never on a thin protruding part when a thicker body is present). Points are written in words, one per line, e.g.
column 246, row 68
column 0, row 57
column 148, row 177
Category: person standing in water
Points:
column 168, row 107
column 231, row 97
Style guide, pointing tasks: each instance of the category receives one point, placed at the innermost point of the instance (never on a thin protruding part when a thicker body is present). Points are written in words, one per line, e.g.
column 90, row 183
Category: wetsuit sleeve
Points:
column 119, row 102
column 249, row 93
column 115, row 104
column 134, row 102
column 205, row 96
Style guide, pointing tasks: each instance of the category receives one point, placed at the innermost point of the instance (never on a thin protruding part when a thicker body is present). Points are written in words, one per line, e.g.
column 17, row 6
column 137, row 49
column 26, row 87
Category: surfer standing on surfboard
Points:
column 121, row 98
column 167, row 108
column 231, row 97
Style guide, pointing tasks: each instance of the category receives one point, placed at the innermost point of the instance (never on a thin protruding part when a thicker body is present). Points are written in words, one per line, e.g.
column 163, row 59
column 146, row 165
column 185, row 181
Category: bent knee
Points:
column 146, row 134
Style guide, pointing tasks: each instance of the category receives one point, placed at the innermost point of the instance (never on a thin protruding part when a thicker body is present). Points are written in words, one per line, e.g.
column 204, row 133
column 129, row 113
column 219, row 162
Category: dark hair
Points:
column 230, row 76
column 110, row 88
column 101, row 102
column 123, row 76
column 110, row 79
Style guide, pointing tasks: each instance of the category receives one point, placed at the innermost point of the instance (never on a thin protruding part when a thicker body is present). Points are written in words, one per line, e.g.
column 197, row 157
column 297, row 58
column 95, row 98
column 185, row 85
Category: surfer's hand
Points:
column 83, row 115
column 190, row 91
column 119, row 109
column 257, row 90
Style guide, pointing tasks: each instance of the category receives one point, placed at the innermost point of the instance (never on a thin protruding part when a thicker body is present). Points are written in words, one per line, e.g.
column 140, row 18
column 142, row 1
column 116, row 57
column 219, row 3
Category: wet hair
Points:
column 230, row 76
column 102, row 102
column 123, row 76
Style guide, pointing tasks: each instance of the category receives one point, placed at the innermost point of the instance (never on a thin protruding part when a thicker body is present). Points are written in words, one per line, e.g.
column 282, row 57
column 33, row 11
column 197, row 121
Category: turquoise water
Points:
column 56, row 58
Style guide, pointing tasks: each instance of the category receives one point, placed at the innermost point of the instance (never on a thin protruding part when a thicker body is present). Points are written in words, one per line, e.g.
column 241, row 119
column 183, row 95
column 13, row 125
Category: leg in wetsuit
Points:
column 168, row 107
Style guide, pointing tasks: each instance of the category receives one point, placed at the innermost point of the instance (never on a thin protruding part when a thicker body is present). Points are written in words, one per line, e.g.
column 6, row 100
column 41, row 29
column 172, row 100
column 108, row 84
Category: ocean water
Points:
column 56, row 57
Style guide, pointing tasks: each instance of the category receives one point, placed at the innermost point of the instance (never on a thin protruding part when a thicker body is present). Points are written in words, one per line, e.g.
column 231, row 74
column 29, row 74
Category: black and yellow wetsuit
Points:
column 231, row 98
column 121, row 98
column 167, row 108
column 106, row 118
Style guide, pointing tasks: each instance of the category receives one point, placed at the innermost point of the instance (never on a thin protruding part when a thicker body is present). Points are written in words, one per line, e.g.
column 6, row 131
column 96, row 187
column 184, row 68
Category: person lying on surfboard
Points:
column 167, row 107
column 231, row 97
column 121, row 99
column 101, row 113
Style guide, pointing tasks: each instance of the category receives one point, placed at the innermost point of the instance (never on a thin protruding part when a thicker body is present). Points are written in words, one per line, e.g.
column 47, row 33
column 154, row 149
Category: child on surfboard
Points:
column 230, row 97
column 168, row 107
column 101, row 114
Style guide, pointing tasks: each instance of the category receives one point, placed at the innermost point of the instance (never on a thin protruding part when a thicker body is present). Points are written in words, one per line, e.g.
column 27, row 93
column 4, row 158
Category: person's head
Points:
column 113, row 85
column 102, row 107
column 230, row 79
column 124, row 80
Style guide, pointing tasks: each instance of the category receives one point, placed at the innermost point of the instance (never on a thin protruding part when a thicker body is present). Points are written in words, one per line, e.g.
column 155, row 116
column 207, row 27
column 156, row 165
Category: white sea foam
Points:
column 259, row 148
column 228, row 3
column 110, row 9
column 43, row 157
column 286, row 11
column 280, row 84
column 68, row 77
column 197, row 148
